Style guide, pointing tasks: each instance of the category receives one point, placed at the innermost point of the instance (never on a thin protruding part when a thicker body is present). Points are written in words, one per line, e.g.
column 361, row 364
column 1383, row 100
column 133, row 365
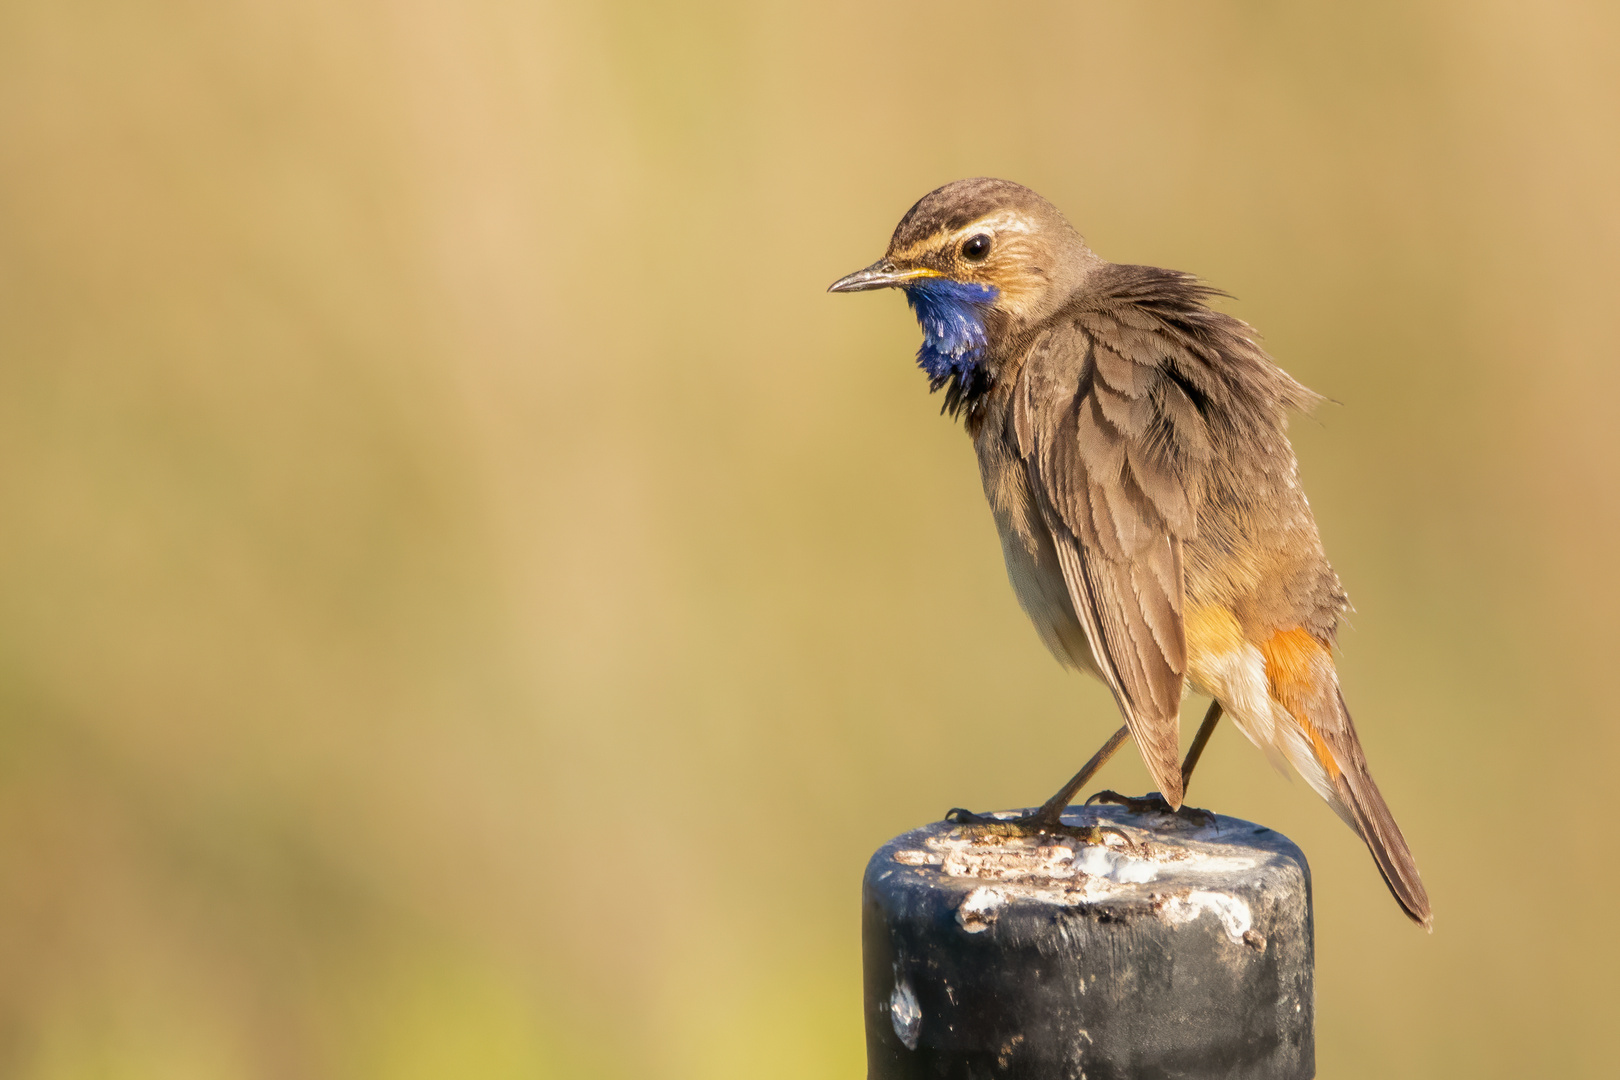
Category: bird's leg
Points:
column 1200, row 740
column 1049, row 818
column 1155, row 801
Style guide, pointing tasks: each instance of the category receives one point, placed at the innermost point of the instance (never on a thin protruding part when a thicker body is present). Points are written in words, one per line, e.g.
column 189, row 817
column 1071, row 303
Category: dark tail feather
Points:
column 1371, row 817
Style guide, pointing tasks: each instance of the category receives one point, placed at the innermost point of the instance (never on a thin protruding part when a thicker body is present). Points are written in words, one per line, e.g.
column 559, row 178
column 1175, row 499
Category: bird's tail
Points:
column 1323, row 745
column 1363, row 806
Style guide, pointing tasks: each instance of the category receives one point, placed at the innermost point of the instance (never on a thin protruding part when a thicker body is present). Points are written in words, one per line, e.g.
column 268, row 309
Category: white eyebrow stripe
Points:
column 1000, row 221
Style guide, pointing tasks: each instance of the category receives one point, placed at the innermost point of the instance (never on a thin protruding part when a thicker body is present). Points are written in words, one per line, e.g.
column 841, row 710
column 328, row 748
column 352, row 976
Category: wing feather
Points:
column 1115, row 448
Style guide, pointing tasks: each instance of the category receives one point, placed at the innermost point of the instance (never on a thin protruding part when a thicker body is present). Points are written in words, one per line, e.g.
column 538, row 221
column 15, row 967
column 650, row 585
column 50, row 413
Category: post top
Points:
column 1161, row 864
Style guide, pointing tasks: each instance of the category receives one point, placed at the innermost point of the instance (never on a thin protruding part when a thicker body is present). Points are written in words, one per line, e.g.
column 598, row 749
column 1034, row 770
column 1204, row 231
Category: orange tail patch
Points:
column 1299, row 669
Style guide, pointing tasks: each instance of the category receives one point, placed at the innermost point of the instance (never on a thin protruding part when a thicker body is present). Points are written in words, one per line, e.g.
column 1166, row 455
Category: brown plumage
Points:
column 1133, row 447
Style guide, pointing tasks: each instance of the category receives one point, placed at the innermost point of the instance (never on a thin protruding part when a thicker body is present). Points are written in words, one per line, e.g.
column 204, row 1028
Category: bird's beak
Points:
column 882, row 274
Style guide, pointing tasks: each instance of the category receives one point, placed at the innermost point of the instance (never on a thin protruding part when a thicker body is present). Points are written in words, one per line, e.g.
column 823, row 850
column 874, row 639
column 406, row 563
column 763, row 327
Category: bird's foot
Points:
column 1042, row 822
column 1153, row 803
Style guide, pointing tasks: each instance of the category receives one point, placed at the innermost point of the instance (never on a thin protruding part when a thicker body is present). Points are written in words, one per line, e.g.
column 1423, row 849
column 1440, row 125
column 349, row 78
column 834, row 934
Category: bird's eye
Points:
column 976, row 247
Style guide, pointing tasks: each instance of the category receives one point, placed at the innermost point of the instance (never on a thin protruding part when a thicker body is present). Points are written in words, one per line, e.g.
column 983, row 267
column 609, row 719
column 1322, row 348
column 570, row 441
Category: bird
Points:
column 1133, row 446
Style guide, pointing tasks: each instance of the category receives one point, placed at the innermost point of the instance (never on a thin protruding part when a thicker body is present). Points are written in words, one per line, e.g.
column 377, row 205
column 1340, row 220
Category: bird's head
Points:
column 980, row 260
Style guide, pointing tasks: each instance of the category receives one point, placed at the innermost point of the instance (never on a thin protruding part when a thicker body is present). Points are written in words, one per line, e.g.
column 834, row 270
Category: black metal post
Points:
column 1157, row 948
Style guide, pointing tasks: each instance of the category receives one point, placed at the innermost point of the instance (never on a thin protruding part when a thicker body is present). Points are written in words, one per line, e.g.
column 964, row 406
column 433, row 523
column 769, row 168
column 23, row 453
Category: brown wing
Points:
column 1116, row 452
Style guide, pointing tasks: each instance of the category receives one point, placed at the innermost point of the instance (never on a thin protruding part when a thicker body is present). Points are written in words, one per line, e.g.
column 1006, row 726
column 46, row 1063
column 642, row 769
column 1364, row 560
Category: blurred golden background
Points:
column 471, row 603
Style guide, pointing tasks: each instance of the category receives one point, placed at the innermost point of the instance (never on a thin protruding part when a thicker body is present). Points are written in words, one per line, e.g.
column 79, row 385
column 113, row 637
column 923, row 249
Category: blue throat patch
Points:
column 951, row 314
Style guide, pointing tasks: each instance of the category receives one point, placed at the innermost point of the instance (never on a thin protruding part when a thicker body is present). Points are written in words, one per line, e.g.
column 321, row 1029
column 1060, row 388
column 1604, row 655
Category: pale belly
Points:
column 1032, row 562
column 1037, row 581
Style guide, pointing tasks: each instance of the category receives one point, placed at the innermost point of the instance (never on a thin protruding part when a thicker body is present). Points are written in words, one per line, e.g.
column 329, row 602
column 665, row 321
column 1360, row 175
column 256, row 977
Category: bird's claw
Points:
column 958, row 816
column 1035, row 823
column 1153, row 803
